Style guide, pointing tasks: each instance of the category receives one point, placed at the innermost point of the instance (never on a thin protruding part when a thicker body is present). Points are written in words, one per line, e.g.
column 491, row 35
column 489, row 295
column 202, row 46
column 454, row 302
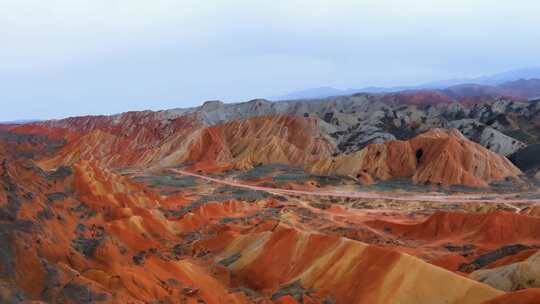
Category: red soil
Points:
column 86, row 231
column 528, row 296
column 494, row 228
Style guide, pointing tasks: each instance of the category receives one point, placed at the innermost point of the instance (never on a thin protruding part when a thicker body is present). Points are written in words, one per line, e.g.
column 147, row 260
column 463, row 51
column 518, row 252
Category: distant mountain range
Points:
column 19, row 122
column 487, row 83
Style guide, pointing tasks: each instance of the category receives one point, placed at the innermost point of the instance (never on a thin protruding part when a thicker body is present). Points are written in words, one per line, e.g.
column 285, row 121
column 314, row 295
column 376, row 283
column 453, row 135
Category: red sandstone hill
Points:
column 438, row 156
column 84, row 234
column 495, row 228
column 91, row 235
column 261, row 140
column 137, row 139
column 74, row 230
column 522, row 89
column 147, row 141
column 343, row 270
column 423, row 97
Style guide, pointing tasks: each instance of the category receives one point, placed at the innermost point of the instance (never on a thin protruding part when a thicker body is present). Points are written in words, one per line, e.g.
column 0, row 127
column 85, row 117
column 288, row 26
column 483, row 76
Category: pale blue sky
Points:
column 71, row 57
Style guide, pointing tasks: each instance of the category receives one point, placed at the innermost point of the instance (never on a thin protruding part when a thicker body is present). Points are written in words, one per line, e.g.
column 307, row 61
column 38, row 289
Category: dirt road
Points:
column 365, row 195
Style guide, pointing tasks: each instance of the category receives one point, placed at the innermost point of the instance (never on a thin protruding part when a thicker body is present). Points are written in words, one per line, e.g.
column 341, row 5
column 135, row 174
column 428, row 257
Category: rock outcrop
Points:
column 525, row 274
column 262, row 140
column 528, row 160
column 438, row 157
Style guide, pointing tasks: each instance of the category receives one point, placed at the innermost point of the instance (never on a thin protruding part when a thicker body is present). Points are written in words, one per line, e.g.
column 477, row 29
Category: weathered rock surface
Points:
column 438, row 156
column 525, row 274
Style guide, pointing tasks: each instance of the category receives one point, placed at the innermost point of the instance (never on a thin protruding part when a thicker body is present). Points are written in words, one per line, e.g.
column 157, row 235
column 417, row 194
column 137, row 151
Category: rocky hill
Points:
column 218, row 136
column 95, row 209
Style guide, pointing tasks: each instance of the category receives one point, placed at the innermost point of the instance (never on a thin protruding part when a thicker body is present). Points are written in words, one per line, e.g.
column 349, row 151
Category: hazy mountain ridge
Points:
column 489, row 81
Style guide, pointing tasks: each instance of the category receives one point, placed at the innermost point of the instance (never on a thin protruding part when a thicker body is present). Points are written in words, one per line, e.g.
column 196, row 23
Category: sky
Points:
column 62, row 58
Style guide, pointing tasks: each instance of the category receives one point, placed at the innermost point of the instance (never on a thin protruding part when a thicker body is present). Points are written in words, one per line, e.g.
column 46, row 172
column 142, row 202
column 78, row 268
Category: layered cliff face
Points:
column 140, row 142
column 438, row 157
column 133, row 139
column 447, row 157
column 262, row 140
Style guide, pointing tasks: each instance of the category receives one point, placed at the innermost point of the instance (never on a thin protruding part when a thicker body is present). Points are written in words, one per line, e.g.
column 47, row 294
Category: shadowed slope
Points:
column 520, row 275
